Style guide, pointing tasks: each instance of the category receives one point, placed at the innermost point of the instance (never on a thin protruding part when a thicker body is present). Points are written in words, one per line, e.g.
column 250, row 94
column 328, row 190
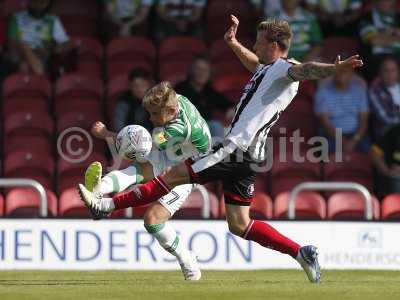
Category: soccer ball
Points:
column 133, row 142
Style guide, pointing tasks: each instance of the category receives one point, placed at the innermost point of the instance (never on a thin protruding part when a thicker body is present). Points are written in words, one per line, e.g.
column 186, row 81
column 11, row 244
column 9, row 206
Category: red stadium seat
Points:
column 309, row 205
column 30, row 163
column 356, row 167
column 231, row 85
column 349, row 206
column 28, row 124
column 116, row 86
column 193, row 206
column 40, row 143
column 174, row 71
column 344, row 46
column 13, row 6
column 76, row 7
column 123, row 68
column 25, row 92
column 180, row 48
column 217, row 17
column 25, row 202
column 1, row 205
column 82, row 119
column 229, row 67
column 69, row 173
column 219, row 50
column 70, row 204
column 77, row 92
column 261, row 207
column 289, row 173
column 79, row 25
column 128, row 49
column 90, row 55
column 390, row 207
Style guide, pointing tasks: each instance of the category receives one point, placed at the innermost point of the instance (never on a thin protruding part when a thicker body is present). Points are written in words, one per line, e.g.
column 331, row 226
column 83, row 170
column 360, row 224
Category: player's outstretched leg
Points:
column 93, row 176
column 308, row 259
column 171, row 242
column 99, row 207
column 269, row 237
column 155, row 222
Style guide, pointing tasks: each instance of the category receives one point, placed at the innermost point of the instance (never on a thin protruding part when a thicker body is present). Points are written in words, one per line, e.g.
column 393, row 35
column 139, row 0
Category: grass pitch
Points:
column 243, row 285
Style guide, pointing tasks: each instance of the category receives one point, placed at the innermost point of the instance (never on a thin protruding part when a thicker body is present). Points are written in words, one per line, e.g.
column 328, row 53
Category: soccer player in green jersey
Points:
column 180, row 133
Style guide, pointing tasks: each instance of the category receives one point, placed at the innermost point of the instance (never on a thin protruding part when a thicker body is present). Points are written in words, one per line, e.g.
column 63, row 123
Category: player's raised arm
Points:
column 247, row 58
column 315, row 70
column 100, row 131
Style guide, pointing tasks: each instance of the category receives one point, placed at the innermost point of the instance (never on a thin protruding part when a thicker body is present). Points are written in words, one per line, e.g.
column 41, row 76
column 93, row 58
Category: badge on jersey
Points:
column 159, row 138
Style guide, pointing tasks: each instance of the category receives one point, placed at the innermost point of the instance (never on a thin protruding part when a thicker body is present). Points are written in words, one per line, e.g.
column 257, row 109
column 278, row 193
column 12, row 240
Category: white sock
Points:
column 107, row 204
column 117, row 181
column 169, row 240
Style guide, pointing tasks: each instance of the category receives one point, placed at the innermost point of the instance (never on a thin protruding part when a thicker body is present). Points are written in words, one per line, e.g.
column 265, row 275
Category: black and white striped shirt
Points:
column 268, row 93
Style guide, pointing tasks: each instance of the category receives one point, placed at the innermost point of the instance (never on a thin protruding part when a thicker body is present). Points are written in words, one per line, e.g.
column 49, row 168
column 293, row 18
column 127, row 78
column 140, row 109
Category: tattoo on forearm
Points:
column 311, row 71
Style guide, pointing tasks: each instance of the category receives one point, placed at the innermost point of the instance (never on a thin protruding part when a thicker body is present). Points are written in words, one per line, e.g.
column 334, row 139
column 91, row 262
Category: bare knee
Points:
column 237, row 227
column 156, row 214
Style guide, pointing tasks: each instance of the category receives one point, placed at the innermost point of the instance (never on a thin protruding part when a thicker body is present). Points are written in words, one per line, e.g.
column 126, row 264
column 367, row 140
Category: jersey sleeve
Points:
column 169, row 136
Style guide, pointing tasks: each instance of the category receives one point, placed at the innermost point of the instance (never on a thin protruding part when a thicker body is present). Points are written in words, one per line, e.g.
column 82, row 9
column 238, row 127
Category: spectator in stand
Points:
column 380, row 31
column 336, row 17
column 180, row 17
column 341, row 102
column 384, row 97
column 129, row 109
column 385, row 156
column 35, row 36
column 307, row 36
column 126, row 16
column 198, row 88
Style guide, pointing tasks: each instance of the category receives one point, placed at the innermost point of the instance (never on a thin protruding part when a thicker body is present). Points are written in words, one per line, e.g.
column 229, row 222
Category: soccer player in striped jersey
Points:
column 180, row 133
column 270, row 90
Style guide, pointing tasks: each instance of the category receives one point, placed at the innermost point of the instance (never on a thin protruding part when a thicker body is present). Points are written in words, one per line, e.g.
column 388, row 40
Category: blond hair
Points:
column 161, row 95
column 277, row 31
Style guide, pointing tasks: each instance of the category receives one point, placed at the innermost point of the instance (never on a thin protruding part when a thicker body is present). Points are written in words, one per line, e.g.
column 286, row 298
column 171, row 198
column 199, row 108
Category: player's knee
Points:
column 237, row 228
column 156, row 214
column 151, row 217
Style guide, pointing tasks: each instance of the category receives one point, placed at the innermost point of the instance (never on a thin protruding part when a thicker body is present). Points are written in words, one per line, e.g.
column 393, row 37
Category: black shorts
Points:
column 234, row 167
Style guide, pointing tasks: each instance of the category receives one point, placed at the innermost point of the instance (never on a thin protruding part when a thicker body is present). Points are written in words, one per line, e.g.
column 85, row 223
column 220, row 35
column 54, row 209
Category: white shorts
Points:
column 174, row 200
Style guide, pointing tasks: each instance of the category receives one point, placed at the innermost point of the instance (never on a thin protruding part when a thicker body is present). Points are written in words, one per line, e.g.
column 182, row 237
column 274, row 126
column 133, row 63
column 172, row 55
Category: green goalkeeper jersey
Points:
column 186, row 136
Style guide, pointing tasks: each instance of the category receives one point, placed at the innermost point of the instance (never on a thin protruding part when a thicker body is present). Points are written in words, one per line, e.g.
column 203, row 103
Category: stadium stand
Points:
column 34, row 163
column 231, row 85
column 135, row 51
column 350, row 206
column 24, row 202
column 70, row 173
column 390, row 208
column 217, row 22
column 356, row 167
column 26, row 92
column 37, row 108
column 70, row 204
column 309, row 206
column 78, row 92
column 1, row 205
column 286, row 174
column 90, row 55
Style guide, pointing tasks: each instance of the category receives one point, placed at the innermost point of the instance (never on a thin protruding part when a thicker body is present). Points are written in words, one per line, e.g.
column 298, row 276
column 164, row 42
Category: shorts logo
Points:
column 250, row 190
column 136, row 190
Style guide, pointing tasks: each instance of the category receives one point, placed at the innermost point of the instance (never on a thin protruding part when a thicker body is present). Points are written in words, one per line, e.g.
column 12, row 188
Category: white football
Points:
column 133, row 142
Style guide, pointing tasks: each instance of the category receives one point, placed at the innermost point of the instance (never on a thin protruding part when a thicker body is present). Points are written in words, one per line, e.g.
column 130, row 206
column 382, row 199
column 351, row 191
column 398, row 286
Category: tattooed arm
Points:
column 315, row 70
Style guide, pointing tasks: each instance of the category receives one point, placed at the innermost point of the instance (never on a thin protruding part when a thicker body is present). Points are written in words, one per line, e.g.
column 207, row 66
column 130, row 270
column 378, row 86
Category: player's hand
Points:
column 230, row 35
column 99, row 130
column 352, row 62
